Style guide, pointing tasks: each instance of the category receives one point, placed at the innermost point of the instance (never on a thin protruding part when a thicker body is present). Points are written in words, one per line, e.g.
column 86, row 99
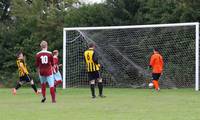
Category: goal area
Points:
column 124, row 53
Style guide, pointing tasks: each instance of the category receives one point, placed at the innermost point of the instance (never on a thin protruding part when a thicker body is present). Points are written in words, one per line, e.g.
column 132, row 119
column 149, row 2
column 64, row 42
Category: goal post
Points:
column 64, row 59
column 197, row 57
column 129, row 43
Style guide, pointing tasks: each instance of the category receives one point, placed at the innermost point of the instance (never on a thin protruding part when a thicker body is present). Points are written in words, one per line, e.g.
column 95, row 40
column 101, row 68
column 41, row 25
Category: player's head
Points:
column 55, row 53
column 91, row 45
column 155, row 50
column 44, row 45
column 20, row 55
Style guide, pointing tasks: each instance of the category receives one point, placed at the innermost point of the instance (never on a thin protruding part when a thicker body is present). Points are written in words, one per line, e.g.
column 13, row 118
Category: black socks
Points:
column 100, row 86
column 18, row 86
column 92, row 87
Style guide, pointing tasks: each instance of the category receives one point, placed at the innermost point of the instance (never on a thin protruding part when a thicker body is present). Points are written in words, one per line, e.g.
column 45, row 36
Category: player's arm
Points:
column 59, row 65
column 162, row 62
column 55, row 64
column 151, row 61
column 52, row 60
column 95, row 58
column 23, row 68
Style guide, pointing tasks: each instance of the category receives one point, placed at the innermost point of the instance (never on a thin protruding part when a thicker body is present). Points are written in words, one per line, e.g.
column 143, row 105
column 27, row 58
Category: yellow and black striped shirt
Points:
column 22, row 69
column 91, row 60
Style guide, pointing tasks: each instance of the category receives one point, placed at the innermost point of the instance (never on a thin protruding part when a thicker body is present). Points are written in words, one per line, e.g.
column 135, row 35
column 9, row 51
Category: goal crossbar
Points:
column 133, row 26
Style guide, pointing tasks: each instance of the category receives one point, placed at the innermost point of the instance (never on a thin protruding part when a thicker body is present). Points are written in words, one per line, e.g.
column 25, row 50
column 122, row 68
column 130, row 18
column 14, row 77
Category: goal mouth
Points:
column 124, row 52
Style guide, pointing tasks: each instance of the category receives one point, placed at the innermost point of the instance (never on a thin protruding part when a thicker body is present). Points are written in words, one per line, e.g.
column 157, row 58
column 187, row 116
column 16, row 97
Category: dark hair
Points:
column 156, row 49
column 91, row 45
column 18, row 53
column 55, row 51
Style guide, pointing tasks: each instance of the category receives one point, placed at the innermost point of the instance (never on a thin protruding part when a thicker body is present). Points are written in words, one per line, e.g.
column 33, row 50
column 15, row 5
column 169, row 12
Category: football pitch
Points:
column 120, row 104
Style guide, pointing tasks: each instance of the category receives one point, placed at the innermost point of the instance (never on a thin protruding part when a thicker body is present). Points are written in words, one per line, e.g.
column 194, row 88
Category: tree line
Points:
column 24, row 23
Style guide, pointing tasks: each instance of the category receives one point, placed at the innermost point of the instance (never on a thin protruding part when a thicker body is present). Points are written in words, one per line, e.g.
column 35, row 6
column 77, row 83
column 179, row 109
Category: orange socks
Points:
column 156, row 84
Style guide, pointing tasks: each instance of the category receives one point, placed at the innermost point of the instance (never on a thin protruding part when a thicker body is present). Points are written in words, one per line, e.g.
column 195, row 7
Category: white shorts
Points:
column 49, row 79
column 57, row 76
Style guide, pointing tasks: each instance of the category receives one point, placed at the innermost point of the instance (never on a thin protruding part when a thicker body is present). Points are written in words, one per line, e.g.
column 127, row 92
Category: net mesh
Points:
column 125, row 53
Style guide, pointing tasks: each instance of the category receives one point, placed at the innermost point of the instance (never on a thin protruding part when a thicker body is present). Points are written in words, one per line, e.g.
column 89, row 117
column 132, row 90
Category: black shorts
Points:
column 93, row 75
column 25, row 78
column 156, row 76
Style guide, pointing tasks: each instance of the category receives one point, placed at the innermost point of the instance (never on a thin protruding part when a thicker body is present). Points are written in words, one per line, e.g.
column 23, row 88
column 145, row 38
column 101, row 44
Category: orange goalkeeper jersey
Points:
column 157, row 63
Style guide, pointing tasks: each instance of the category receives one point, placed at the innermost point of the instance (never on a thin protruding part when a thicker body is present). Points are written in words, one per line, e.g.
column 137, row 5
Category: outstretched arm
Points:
column 95, row 58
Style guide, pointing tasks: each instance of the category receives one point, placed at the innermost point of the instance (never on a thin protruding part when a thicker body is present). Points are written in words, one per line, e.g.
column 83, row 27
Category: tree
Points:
column 24, row 23
column 4, row 9
column 124, row 11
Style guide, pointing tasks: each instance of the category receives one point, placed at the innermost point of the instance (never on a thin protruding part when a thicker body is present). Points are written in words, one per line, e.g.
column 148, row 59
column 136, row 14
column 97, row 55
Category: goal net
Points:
column 124, row 53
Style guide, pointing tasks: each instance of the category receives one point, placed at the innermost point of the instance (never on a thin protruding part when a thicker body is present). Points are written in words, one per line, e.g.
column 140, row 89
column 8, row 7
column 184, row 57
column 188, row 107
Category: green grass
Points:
column 120, row 104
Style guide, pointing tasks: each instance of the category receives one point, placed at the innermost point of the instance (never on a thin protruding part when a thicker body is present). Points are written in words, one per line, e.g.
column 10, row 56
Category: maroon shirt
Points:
column 44, row 61
column 56, row 61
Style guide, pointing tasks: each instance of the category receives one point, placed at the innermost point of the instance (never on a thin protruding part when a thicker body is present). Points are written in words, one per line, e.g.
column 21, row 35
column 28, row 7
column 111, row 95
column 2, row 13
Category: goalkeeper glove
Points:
column 149, row 67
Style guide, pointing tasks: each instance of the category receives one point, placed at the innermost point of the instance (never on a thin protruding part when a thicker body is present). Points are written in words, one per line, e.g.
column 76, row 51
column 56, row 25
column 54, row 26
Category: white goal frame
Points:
column 196, row 24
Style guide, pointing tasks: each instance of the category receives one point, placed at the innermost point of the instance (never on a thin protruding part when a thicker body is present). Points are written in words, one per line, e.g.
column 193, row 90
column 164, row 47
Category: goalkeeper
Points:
column 156, row 63
column 93, row 68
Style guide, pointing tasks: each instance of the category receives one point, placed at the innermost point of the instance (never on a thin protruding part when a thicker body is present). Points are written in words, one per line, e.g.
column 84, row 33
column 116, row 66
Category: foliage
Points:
column 24, row 23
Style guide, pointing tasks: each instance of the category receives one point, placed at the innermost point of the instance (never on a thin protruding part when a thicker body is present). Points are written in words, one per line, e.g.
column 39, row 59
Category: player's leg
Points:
column 19, row 84
column 100, row 86
column 34, row 87
column 50, row 80
column 155, row 80
column 92, row 88
column 58, row 79
column 30, row 80
column 14, row 90
column 43, row 87
column 92, row 78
